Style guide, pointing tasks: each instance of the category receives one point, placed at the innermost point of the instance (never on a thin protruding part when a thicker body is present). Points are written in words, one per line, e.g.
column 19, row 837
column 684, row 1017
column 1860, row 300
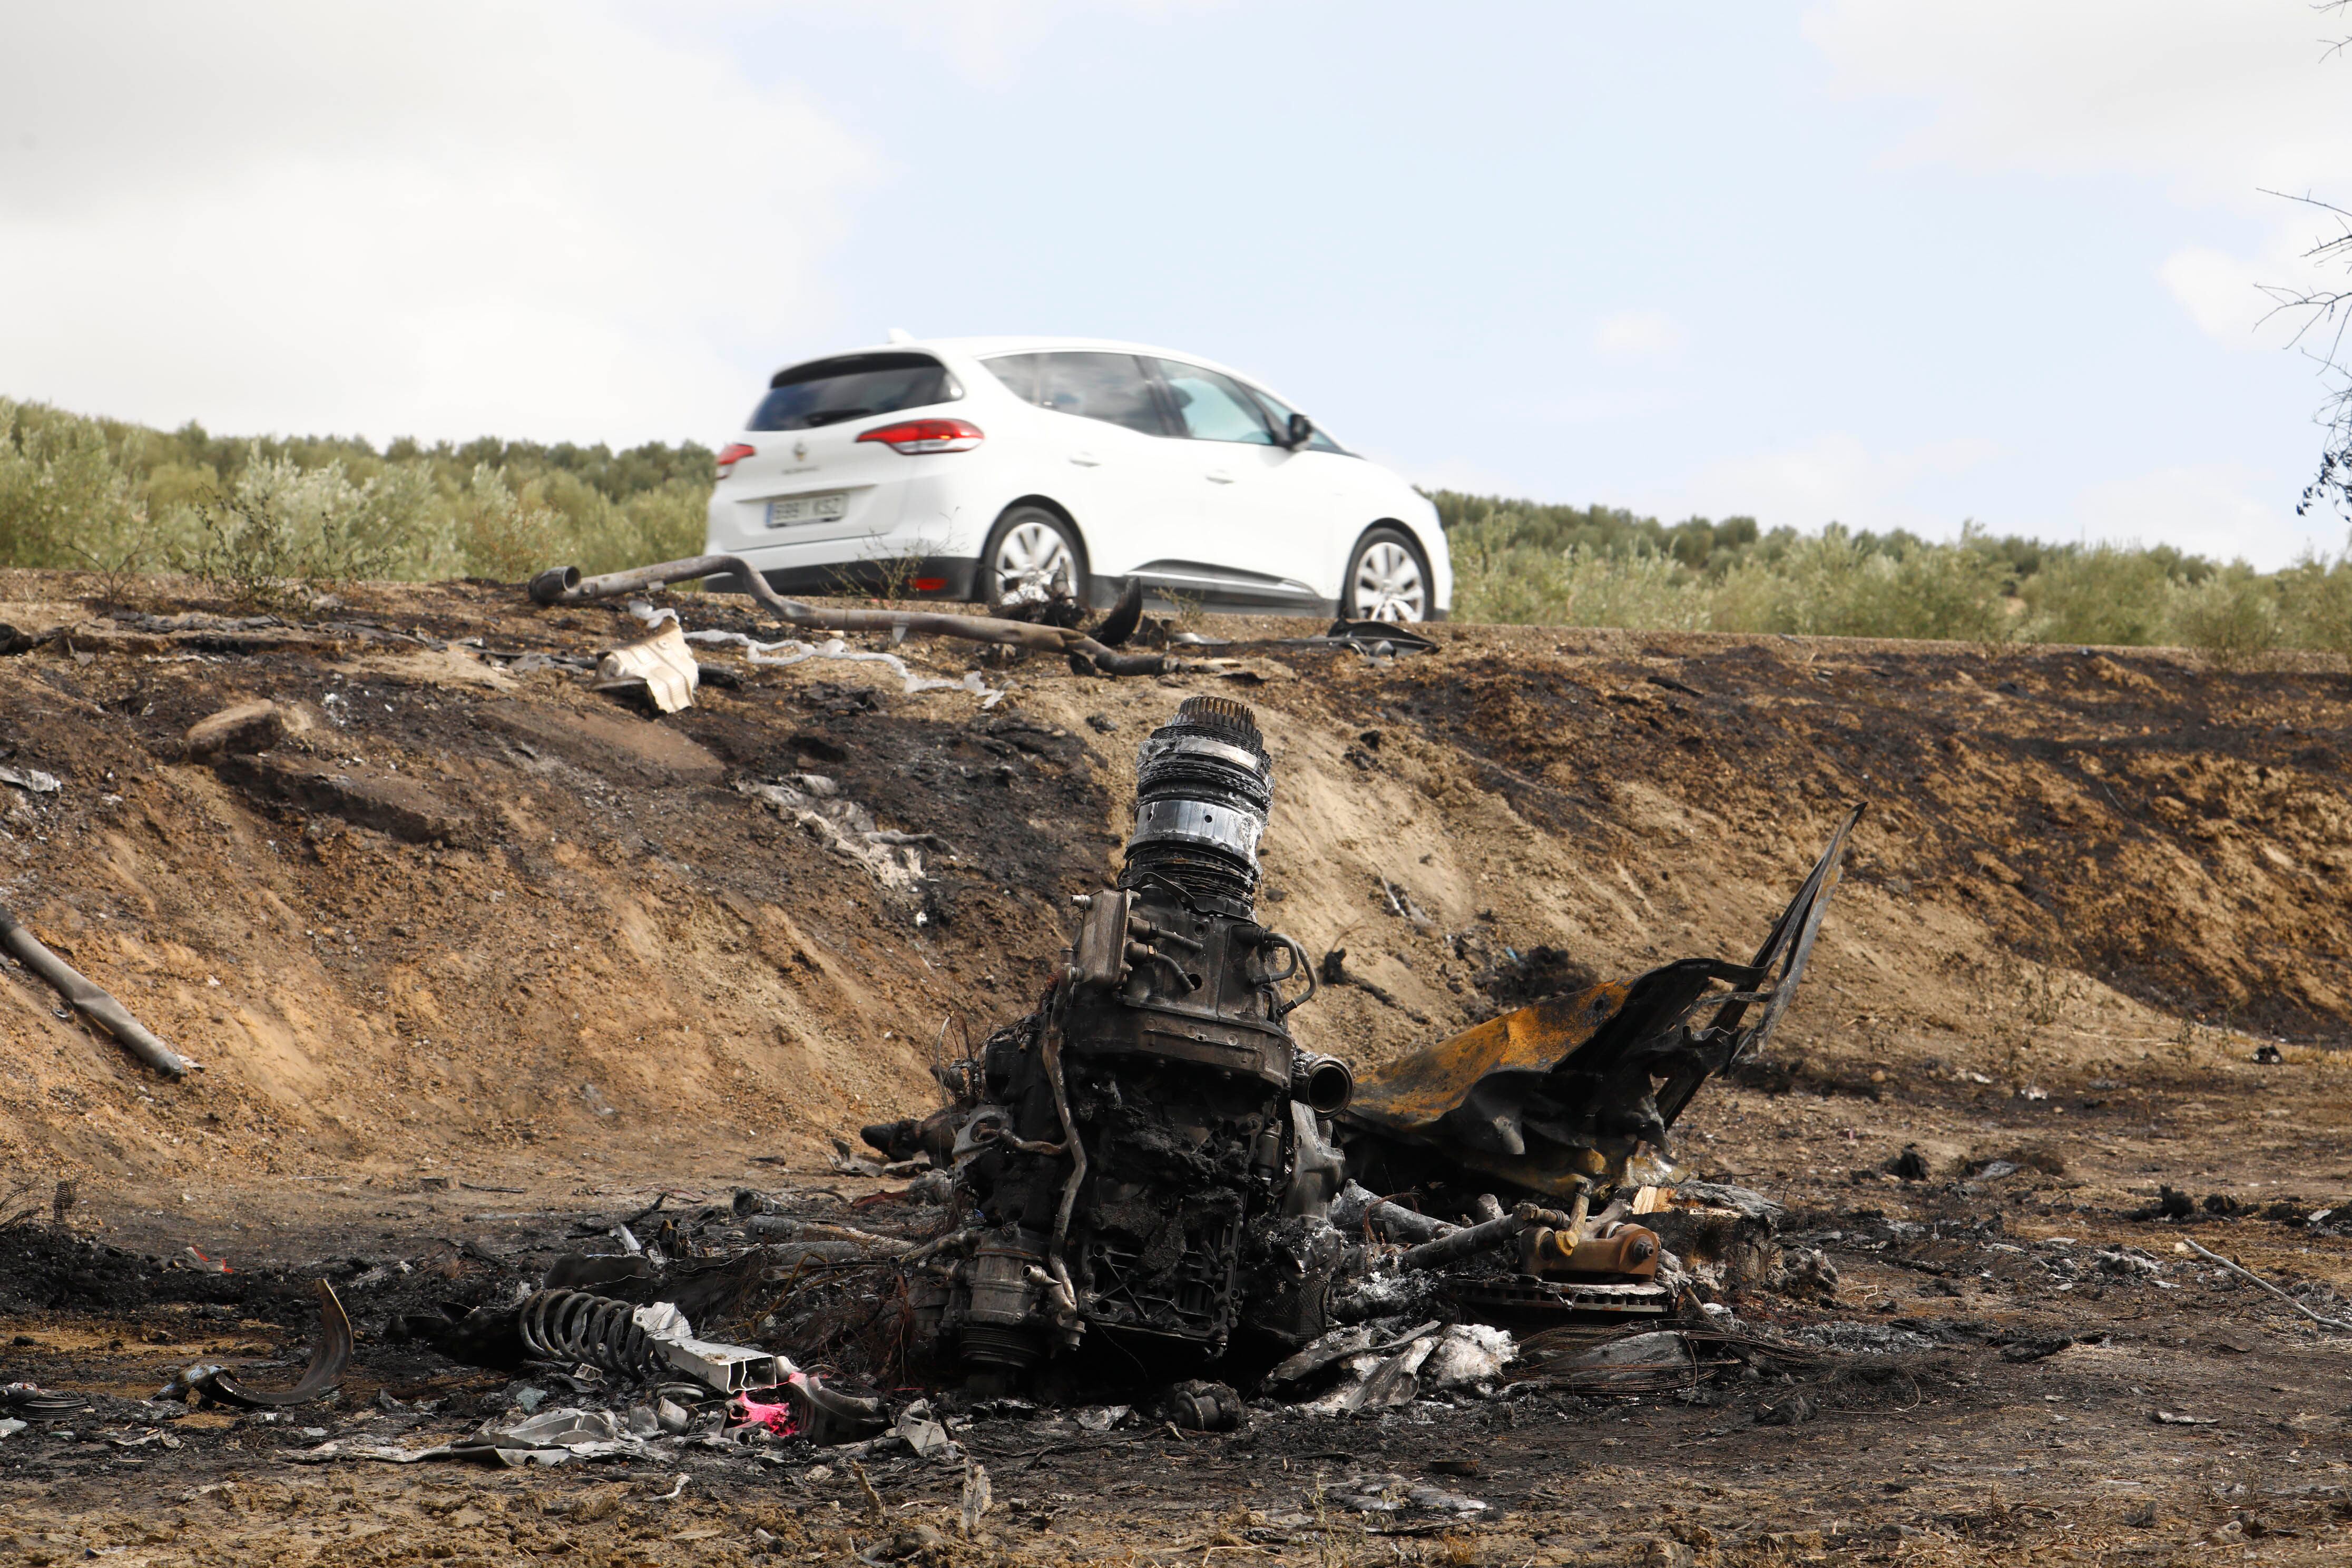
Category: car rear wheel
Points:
column 1388, row 579
column 1032, row 548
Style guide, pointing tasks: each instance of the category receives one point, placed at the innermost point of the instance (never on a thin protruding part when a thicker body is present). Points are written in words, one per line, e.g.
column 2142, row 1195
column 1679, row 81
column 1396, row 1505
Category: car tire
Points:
column 1388, row 578
column 1027, row 541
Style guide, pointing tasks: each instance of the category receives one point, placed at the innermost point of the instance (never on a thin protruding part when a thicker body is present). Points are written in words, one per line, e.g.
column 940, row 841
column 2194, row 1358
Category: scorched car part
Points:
column 1148, row 1161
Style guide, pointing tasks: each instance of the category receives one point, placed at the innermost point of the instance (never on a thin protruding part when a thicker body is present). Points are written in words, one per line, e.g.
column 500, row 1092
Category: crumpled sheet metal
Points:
column 329, row 1358
column 549, row 1437
column 661, row 663
column 1561, row 1093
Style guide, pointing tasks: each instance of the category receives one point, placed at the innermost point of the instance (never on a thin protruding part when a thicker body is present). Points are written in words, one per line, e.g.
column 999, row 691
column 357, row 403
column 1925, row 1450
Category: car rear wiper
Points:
column 835, row 415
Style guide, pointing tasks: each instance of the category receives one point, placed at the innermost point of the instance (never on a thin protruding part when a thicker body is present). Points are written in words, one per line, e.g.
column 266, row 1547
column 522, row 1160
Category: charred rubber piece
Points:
column 1124, row 617
column 329, row 1358
column 827, row 1414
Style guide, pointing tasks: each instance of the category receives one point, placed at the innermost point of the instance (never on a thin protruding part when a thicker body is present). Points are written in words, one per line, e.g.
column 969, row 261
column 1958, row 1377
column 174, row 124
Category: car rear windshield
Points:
column 828, row 391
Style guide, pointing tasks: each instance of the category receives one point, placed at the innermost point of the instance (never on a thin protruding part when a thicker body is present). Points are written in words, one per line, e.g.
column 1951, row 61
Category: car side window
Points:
column 1277, row 413
column 1213, row 407
column 1018, row 372
column 1107, row 386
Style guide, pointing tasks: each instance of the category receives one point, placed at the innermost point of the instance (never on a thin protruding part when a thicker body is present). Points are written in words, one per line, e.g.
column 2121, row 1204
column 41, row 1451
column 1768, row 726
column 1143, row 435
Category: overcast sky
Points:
column 1897, row 263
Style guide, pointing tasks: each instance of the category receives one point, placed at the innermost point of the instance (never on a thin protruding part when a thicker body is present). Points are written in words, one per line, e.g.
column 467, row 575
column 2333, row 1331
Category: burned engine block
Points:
column 1147, row 1163
column 1135, row 1145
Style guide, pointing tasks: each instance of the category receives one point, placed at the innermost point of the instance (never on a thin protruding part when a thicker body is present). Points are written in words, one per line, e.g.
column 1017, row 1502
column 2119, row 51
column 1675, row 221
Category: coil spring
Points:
column 575, row 1326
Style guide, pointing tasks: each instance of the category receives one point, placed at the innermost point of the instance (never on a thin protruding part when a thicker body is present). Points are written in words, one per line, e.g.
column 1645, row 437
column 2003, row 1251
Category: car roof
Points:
column 991, row 347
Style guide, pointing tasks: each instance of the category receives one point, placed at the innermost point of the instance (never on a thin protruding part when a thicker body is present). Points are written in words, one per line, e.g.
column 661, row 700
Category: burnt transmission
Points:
column 1151, row 1141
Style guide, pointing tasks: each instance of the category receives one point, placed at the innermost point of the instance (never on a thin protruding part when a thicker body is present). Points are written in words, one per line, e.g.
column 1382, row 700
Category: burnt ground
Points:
column 482, row 957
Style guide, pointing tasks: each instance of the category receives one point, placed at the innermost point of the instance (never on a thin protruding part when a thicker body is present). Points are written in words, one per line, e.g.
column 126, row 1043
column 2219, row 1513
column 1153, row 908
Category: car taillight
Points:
column 927, row 436
column 732, row 454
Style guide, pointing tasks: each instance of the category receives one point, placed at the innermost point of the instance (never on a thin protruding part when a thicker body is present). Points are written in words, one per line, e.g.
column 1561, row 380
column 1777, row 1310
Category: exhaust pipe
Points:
column 1322, row 1084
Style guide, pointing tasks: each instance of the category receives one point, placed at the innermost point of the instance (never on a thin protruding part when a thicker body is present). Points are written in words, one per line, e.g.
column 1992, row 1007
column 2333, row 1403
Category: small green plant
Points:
column 279, row 528
column 501, row 534
column 2232, row 617
column 884, row 573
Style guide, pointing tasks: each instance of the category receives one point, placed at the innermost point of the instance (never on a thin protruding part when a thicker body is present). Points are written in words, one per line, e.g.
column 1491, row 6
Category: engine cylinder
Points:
column 1204, row 786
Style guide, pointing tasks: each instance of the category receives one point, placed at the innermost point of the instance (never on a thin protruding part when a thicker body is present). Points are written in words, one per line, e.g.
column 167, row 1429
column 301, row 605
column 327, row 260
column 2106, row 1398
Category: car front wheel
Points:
column 1032, row 548
column 1388, row 579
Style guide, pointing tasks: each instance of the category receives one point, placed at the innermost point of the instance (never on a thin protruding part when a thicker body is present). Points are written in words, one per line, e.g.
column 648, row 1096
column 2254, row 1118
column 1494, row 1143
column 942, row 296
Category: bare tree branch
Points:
column 2323, row 320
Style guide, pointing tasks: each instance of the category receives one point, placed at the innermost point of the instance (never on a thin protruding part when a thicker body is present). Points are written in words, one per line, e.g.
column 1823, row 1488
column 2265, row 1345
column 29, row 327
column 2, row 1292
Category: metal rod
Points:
column 91, row 1000
column 1475, row 1238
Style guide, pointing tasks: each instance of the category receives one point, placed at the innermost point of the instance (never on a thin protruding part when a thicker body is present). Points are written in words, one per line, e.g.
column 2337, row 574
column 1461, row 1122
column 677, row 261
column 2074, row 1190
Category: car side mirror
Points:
column 1301, row 430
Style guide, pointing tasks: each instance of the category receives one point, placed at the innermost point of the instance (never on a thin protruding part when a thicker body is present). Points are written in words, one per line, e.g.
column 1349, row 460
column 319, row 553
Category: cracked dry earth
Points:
column 482, row 956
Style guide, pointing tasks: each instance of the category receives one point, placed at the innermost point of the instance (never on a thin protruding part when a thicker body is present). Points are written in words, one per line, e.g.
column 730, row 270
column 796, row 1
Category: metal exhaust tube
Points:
column 1322, row 1084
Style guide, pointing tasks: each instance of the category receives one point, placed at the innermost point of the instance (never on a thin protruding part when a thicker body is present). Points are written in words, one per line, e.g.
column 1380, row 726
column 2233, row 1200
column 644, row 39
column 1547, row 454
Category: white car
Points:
column 976, row 467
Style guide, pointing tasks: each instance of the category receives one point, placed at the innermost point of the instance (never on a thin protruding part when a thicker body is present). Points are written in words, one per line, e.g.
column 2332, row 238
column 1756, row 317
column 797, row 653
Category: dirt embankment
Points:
column 480, row 919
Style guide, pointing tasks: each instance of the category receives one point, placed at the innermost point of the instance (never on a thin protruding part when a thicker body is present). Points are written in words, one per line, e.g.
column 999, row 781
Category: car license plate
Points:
column 785, row 511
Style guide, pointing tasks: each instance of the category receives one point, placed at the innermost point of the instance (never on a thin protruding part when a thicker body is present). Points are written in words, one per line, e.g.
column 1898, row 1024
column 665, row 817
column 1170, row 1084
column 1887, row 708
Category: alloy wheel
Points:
column 1388, row 585
column 1033, row 555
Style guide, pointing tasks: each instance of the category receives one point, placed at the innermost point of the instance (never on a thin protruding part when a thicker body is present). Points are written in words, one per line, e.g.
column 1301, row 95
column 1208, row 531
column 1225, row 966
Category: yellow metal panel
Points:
column 1409, row 1094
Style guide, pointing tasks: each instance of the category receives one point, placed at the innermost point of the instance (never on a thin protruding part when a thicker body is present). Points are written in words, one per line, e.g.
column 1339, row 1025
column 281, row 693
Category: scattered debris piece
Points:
column 757, row 653
column 976, row 1497
column 30, row 779
column 549, row 1437
column 661, row 665
column 2171, row 1203
column 565, row 586
column 90, row 1000
column 1198, row 1406
column 324, row 1375
column 893, row 859
column 1554, row 1099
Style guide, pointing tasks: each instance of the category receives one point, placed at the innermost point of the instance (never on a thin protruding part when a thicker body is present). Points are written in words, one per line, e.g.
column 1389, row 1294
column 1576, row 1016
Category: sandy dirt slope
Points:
column 492, row 920
column 481, row 952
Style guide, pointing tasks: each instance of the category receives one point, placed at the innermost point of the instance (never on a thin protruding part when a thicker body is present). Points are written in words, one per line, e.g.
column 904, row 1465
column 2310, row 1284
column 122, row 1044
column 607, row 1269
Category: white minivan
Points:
column 976, row 467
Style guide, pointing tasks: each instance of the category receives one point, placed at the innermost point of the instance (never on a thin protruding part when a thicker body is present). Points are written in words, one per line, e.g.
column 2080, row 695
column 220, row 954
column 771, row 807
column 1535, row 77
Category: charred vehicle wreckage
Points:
column 1150, row 1174
column 1146, row 1183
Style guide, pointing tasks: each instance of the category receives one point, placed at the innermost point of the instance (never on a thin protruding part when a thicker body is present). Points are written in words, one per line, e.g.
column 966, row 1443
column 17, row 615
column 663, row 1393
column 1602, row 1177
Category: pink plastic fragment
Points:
column 778, row 1419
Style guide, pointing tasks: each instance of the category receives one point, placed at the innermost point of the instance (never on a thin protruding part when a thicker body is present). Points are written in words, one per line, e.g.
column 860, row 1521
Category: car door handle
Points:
column 1219, row 477
column 1085, row 459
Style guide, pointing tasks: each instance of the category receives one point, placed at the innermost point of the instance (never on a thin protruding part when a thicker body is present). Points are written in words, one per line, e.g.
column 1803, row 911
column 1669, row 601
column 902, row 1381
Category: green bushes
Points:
column 264, row 518
column 64, row 499
column 1597, row 566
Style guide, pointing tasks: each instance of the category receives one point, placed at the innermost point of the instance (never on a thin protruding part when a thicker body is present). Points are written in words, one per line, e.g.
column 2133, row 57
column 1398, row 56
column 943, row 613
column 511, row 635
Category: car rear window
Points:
column 851, row 387
column 1111, row 387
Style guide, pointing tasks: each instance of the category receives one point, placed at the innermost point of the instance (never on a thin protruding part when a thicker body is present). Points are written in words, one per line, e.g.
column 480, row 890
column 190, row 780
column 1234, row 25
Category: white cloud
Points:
column 987, row 41
column 521, row 218
column 1832, row 478
column 1638, row 335
column 2217, row 101
column 2213, row 509
column 2217, row 98
column 2223, row 292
